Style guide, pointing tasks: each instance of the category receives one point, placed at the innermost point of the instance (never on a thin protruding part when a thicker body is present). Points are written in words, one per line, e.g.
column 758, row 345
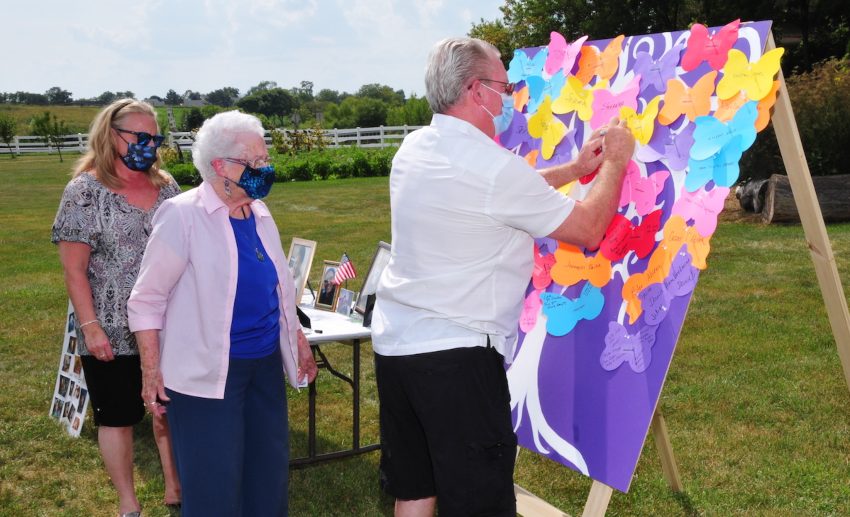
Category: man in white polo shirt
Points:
column 464, row 215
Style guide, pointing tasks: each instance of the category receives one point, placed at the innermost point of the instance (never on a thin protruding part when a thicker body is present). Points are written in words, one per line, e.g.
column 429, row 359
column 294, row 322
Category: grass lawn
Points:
column 755, row 401
column 77, row 118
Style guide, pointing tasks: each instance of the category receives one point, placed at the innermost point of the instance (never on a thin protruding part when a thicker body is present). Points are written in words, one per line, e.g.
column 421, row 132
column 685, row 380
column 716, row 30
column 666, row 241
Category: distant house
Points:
column 155, row 102
column 194, row 103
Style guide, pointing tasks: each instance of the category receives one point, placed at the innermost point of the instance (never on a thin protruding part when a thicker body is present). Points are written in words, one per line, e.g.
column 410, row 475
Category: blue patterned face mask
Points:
column 257, row 182
column 503, row 119
column 140, row 157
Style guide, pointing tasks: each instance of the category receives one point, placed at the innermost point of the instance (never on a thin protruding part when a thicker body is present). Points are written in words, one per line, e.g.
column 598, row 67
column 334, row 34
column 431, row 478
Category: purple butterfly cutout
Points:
column 670, row 147
column 656, row 298
column 657, row 73
column 563, row 151
column 516, row 135
column 620, row 347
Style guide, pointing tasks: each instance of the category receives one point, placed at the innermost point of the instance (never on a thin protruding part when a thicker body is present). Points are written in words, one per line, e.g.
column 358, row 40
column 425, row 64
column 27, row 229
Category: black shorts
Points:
column 446, row 430
column 115, row 390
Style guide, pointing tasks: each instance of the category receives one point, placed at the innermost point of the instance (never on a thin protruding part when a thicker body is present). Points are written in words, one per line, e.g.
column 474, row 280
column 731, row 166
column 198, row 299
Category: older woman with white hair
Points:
column 214, row 315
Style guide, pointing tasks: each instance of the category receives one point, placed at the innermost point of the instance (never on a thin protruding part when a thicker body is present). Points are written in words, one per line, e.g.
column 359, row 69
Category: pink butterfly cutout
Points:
column 701, row 206
column 712, row 48
column 607, row 104
column 642, row 191
column 562, row 56
column 530, row 310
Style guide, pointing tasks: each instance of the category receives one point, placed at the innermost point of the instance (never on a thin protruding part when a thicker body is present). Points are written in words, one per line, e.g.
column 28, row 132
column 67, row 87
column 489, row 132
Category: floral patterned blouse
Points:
column 117, row 233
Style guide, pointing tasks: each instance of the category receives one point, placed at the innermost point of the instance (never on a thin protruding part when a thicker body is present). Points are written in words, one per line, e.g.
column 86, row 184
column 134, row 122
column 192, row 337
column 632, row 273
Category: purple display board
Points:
column 599, row 327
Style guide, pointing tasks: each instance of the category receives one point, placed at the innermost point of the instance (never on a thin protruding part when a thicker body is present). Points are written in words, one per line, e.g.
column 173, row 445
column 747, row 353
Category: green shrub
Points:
column 184, row 173
column 821, row 102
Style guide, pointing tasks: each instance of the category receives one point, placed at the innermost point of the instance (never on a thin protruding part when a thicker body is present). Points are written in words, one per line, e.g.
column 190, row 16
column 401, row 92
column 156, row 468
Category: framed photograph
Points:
column 301, row 253
column 328, row 291
column 344, row 301
column 370, row 284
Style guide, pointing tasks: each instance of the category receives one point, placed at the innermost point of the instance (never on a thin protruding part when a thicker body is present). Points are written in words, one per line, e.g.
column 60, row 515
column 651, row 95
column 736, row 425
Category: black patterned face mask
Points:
column 257, row 182
column 140, row 157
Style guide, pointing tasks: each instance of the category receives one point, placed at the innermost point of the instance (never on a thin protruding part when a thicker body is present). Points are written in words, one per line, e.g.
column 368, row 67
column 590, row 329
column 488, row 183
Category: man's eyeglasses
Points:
column 256, row 163
column 509, row 87
column 142, row 138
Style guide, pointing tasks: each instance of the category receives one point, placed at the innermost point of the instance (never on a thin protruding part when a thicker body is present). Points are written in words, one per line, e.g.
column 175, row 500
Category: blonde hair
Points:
column 101, row 153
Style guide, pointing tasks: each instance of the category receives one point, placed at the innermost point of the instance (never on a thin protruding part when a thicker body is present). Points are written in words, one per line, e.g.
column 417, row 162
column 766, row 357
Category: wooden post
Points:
column 597, row 500
column 665, row 450
column 817, row 239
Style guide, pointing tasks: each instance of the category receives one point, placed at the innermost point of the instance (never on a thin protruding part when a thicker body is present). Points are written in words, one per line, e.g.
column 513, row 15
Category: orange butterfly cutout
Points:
column 531, row 157
column 571, row 267
column 677, row 232
column 656, row 271
column 692, row 102
column 726, row 108
column 521, row 98
column 602, row 64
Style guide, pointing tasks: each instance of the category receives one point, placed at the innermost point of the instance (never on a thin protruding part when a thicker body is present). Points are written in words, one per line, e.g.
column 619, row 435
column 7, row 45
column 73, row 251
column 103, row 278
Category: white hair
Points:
column 451, row 64
column 218, row 136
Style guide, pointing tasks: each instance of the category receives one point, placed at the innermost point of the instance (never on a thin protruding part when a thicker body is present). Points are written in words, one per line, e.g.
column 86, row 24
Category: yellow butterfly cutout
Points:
column 641, row 125
column 571, row 267
column 756, row 79
column 602, row 64
column 566, row 189
column 692, row 102
column 575, row 97
column 657, row 270
column 547, row 127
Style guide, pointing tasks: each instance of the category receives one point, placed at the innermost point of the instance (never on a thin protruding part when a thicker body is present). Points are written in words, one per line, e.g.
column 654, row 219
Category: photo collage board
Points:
column 70, row 395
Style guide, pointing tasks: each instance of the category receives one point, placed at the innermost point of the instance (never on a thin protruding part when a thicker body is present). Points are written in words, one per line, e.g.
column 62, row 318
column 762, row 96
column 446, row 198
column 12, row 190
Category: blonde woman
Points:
column 102, row 227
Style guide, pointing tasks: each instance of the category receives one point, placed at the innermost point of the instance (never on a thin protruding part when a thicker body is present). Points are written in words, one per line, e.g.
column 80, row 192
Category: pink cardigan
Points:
column 187, row 286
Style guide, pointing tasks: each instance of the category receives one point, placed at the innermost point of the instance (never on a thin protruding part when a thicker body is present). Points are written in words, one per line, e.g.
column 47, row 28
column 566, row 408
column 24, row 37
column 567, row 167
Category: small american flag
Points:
column 344, row 271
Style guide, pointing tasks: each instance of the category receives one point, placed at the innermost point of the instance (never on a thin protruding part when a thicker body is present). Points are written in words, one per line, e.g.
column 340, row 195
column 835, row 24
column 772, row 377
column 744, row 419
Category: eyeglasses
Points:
column 509, row 87
column 256, row 163
column 142, row 138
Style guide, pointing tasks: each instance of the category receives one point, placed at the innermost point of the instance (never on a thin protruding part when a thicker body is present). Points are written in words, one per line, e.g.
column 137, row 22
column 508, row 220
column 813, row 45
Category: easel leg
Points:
column 665, row 450
column 597, row 500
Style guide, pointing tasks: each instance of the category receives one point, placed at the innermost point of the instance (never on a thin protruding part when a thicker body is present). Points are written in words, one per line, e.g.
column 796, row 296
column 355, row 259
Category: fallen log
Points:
column 833, row 194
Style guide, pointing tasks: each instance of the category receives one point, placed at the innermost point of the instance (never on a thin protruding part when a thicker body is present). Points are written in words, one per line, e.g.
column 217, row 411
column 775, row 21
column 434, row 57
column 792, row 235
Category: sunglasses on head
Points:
column 142, row 138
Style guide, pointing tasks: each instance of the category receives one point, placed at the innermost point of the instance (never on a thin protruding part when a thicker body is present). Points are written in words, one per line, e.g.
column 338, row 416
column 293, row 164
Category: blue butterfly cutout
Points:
column 711, row 135
column 563, row 314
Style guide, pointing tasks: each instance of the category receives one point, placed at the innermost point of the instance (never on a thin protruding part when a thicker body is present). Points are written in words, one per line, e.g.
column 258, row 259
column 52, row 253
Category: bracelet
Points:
column 87, row 323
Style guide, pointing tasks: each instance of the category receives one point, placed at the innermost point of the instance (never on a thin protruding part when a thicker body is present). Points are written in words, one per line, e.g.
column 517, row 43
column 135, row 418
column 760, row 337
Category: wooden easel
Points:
column 791, row 147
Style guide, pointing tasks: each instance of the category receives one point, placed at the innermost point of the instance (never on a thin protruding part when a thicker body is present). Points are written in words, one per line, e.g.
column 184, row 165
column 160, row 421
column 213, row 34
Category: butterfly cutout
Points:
column 656, row 298
column 551, row 87
column 547, row 127
column 516, row 134
column 622, row 236
column 723, row 168
column 657, row 73
column 572, row 266
column 541, row 277
column 677, row 232
column 563, row 314
column 530, row 310
column 702, row 207
column 575, row 97
column 602, row 64
column 691, row 102
column 642, row 191
column 522, row 67
column 711, row 135
column 668, row 146
column 641, row 125
column 531, row 158
column 756, row 79
column 563, row 152
column 521, row 98
column 726, row 108
column 562, row 56
column 622, row 347
column 712, row 48
column 656, row 271
column 607, row 104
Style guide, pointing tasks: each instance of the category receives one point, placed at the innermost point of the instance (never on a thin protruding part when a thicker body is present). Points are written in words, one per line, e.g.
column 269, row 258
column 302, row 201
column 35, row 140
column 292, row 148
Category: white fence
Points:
column 383, row 136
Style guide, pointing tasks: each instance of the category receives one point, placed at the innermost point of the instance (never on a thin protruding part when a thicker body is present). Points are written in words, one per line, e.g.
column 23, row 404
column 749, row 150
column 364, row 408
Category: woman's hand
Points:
column 97, row 342
column 307, row 368
column 153, row 391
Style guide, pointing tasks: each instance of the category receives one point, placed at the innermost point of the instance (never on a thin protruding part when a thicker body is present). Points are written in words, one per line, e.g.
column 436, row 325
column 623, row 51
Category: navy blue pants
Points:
column 232, row 454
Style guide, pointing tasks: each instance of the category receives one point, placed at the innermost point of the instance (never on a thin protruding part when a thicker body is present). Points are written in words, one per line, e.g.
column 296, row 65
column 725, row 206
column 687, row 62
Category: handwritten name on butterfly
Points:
column 632, row 349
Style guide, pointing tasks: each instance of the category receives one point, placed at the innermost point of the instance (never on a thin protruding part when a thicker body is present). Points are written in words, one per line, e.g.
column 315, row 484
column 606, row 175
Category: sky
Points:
column 150, row 46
